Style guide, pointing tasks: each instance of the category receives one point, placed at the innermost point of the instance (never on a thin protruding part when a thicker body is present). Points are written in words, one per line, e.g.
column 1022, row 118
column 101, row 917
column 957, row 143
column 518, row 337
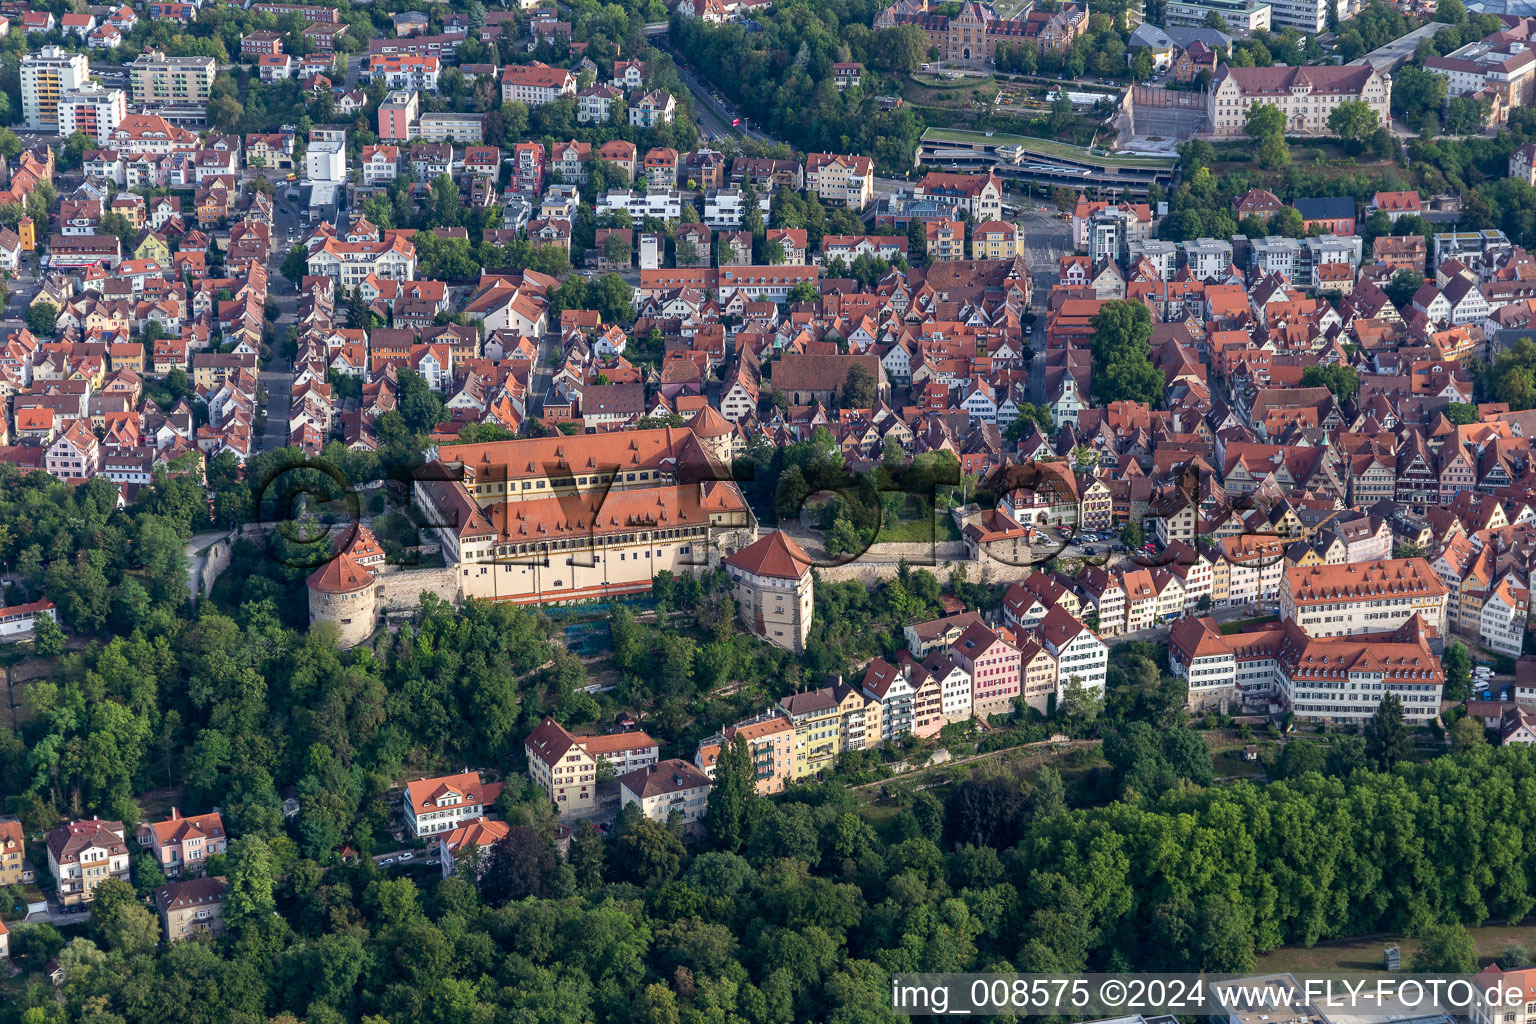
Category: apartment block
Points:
column 192, row 908
column 565, row 765
column 45, row 77
column 158, row 79
column 666, row 788
column 1362, row 597
column 181, row 844
column 430, row 806
column 83, row 854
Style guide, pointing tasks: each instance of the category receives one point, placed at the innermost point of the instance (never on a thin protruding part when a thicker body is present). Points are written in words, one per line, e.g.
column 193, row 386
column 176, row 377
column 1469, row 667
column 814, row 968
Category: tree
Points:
column 1353, row 121
column 587, row 856
column 296, row 263
column 1457, row 664
column 859, row 389
column 1386, row 734
column 1445, row 949
column 726, row 817
column 42, row 319
column 1514, row 958
column 803, row 291
column 1131, row 536
column 1452, row 12
column 1264, row 120
column 1461, row 413
column 1298, row 758
column 647, row 851
column 251, row 880
column 1401, row 288
column 48, row 640
column 1122, row 355
column 1342, row 380
column 522, row 864
column 1465, row 115
column 1467, row 733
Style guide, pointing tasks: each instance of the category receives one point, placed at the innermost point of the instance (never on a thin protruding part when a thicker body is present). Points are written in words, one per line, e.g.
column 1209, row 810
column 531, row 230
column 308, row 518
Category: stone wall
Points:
column 400, row 590
column 882, row 561
column 217, row 561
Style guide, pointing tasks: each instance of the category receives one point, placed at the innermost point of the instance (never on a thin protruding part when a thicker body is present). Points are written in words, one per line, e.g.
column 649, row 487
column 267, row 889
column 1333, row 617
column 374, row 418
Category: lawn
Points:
column 939, row 528
column 1366, row 954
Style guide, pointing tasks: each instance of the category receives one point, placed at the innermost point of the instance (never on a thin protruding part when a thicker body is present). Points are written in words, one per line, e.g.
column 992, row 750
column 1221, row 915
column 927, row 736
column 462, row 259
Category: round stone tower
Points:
column 345, row 593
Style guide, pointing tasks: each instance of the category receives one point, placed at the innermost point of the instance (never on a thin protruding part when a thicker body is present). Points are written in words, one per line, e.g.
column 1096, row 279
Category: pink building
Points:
column 396, row 115
column 182, row 844
column 993, row 664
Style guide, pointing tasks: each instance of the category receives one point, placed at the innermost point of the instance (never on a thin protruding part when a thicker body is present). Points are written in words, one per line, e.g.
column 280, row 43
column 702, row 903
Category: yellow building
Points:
column 827, row 722
column 995, row 240
column 26, row 230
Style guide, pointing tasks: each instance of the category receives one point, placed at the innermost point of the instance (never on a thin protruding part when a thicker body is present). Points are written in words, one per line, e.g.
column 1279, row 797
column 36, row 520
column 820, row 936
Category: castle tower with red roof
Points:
column 771, row 582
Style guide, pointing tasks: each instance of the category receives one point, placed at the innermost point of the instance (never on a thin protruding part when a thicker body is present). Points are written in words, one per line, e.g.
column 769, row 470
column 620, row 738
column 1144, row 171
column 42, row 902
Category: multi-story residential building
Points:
column 1364, row 597
column 192, row 908
column 656, row 107
column 1243, row 17
column 772, row 585
column 666, row 788
column 566, row 766
column 1309, row 16
column 1037, row 671
column 892, row 687
column 405, row 71
column 381, row 164
column 1497, row 67
column 995, row 240
column 181, row 845
column 14, row 869
column 828, row 722
column 83, row 854
column 91, row 110
column 45, row 76
column 350, row 263
column 954, row 686
column 397, row 116
column 837, row 178
column 1204, row 659
column 1305, row 95
column 1505, row 611
column 770, row 740
column 980, row 194
column 1081, row 657
column 1105, row 592
column 178, row 81
column 945, row 240
column 431, row 806
column 993, row 665
column 535, row 83
column 1254, row 566
column 472, row 835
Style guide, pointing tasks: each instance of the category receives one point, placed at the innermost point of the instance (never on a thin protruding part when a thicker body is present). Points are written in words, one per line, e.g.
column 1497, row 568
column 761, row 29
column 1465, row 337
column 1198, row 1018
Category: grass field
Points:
column 1366, row 954
column 1045, row 147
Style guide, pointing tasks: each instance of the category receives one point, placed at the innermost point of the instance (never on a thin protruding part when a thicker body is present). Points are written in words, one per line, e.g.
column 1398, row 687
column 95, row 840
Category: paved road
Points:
column 278, row 380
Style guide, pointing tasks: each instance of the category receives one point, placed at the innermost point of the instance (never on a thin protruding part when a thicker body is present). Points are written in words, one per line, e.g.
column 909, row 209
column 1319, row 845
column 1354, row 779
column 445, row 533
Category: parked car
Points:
column 407, row 855
column 387, row 860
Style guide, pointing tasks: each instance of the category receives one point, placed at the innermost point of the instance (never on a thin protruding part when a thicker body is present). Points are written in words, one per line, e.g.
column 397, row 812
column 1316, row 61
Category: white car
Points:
column 386, row 860
column 407, row 855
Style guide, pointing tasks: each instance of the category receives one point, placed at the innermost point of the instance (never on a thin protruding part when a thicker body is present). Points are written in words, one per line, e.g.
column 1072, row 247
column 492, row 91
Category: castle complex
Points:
column 562, row 519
